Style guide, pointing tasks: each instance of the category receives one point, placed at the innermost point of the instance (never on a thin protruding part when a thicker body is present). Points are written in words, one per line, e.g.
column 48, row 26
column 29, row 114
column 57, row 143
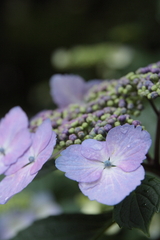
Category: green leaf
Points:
column 137, row 209
column 68, row 227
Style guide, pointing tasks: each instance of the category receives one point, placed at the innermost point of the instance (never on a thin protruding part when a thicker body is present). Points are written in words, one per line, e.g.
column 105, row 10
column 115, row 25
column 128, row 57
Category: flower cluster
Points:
column 107, row 171
column 92, row 125
column 90, row 110
column 104, row 146
column 147, row 80
column 22, row 154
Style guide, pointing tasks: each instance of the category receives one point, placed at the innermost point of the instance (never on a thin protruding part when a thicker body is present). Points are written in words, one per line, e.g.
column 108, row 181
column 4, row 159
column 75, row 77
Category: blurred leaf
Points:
column 114, row 56
column 136, row 210
column 68, row 227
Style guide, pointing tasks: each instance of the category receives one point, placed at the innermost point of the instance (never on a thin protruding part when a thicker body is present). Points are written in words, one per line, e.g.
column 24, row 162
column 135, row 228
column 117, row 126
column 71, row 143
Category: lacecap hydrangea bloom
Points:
column 28, row 160
column 107, row 171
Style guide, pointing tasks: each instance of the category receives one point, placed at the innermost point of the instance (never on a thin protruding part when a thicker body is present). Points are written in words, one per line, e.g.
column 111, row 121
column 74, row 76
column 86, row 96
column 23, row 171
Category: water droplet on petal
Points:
column 97, row 146
column 128, row 146
column 124, row 129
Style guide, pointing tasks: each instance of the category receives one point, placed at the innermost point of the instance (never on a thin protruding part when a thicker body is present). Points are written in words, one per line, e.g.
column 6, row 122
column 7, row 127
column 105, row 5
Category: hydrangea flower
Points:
column 20, row 174
column 107, row 171
column 66, row 89
column 14, row 137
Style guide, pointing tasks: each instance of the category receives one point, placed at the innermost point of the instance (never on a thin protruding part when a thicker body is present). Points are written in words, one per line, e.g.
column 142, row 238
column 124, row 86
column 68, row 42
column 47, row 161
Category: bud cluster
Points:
column 120, row 94
column 106, row 105
column 147, row 81
column 93, row 125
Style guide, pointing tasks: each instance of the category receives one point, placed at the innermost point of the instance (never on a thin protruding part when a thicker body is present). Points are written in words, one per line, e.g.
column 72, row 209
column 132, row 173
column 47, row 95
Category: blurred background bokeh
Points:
column 93, row 38
column 97, row 39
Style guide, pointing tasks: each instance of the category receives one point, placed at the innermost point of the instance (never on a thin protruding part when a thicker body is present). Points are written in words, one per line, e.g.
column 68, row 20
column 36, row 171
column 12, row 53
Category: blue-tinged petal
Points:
column 127, row 146
column 113, row 186
column 66, row 89
column 77, row 167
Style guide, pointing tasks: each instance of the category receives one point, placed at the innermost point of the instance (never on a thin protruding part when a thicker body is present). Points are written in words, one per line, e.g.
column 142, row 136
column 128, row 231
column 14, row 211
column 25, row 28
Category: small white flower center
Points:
column 2, row 151
column 107, row 164
column 31, row 159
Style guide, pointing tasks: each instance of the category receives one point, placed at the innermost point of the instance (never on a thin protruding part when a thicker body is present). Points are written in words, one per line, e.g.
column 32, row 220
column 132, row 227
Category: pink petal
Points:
column 20, row 143
column 77, row 167
column 42, row 136
column 13, row 122
column 127, row 146
column 41, row 149
column 44, row 155
column 15, row 183
column 66, row 89
column 21, row 161
column 3, row 167
column 94, row 150
column 114, row 185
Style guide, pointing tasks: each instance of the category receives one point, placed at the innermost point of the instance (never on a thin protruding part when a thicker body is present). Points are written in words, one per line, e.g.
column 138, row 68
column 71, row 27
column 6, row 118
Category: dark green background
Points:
column 31, row 30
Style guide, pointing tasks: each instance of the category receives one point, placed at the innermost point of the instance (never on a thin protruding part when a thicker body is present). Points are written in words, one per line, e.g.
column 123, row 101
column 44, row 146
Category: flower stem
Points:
column 105, row 229
column 154, row 108
column 149, row 159
column 157, row 143
column 157, row 138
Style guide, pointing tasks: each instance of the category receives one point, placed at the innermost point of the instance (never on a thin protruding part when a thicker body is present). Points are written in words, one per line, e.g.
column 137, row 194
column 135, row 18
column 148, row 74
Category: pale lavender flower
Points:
column 69, row 88
column 14, row 221
column 40, row 205
column 14, row 137
column 108, row 171
column 20, row 174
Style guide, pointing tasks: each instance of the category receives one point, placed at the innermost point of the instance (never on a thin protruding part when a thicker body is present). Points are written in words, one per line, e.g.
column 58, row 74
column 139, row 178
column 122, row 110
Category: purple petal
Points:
column 77, row 167
column 20, row 143
column 66, row 89
column 127, row 146
column 13, row 122
column 114, row 185
column 15, row 183
column 44, row 155
column 94, row 150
